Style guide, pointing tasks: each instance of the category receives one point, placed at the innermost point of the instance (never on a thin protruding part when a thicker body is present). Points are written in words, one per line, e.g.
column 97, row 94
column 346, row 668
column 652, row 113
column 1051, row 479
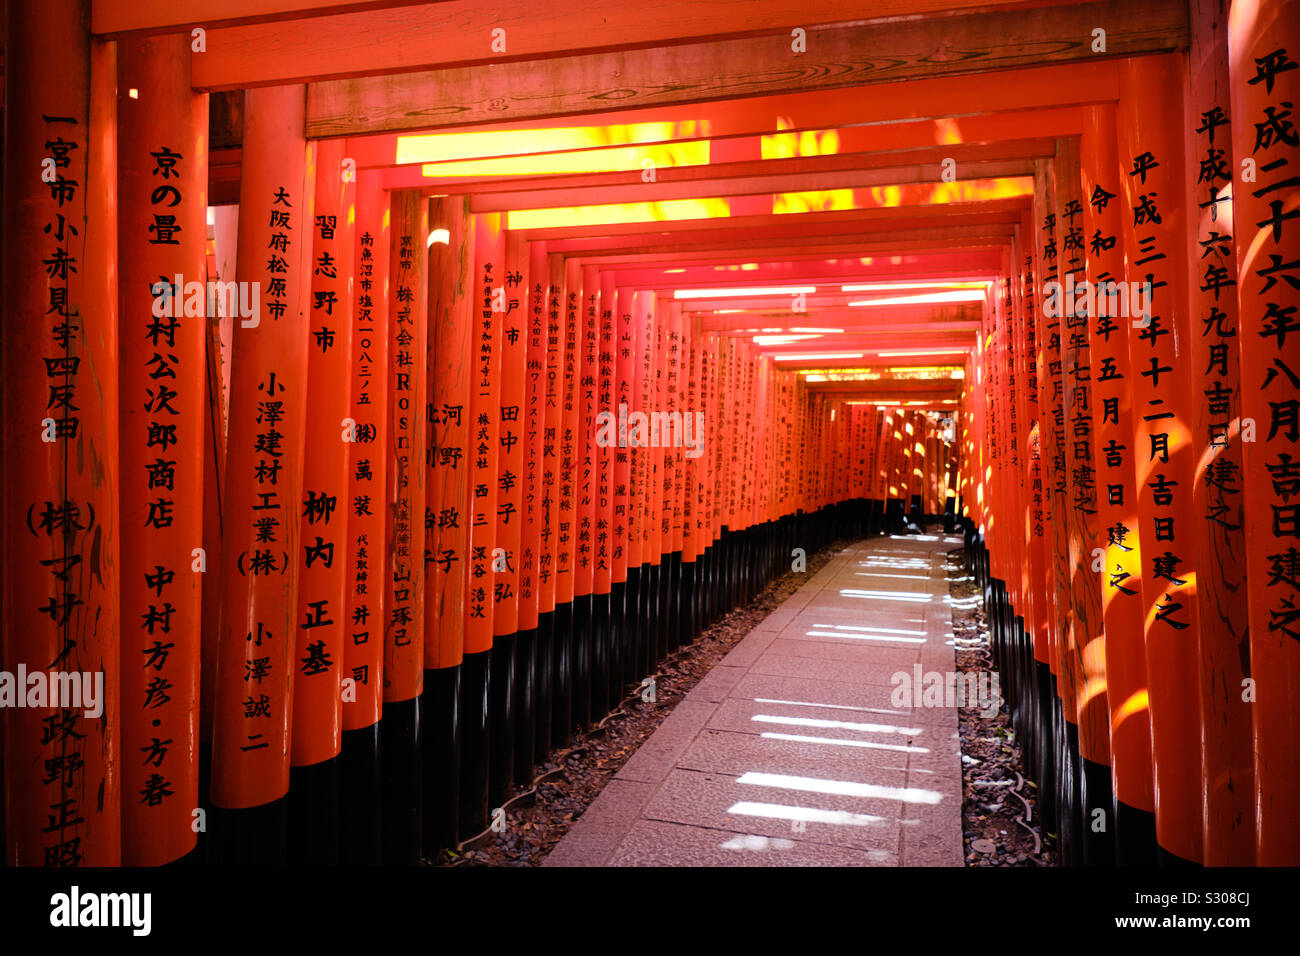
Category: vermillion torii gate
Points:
column 514, row 393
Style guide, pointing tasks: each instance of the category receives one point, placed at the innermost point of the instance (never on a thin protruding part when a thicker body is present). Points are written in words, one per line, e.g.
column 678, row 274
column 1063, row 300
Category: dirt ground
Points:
column 999, row 806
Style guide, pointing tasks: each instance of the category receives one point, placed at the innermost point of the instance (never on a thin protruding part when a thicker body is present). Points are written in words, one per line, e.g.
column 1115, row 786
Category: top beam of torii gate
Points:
column 377, row 67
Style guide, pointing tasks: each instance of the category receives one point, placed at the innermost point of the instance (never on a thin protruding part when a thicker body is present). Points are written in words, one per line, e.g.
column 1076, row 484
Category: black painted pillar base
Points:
column 205, row 787
column 361, row 830
column 1135, row 836
column 1172, row 860
column 689, row 590
column 650, row 623
column 525, row 704
column 252, row 836
column 675, row 599
column 1072, row 823
column 620, row 645
column 501, row 741
column 601, row 639
column 1046, row 773
column 543, row 685
column 440, row 705
column 314, row 814
column 634, row 661
column 581, row 662
column 475, row 742
column 562, row 676
column 1098, row 844
column 402, row 774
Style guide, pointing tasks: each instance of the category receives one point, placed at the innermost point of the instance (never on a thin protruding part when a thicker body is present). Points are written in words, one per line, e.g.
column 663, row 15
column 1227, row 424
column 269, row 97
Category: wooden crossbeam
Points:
column 844, row 221
column 609, row 187
column 840, row 56
column 723, row 123
column 916, row 263
column 785, row 272
column 754, row 186
column 389, row 38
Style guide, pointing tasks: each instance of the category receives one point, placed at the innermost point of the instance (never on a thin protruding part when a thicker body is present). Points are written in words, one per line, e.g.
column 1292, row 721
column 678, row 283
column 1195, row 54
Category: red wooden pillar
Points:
column 585, row 492
column 404, row 536
column 364, row 555
column 605, row 431
column 712, row 449
column 669, row 442
column 1210, row 326
column 1034, row 522
column 1123, row 615
column 659, row 521
column 551, row 611
column 447, row 510
column 509, row 304
column 568, row 274
column 162, row 205
column 1087, row 655
column 621, row 588
column 638, row 559
column 484, row 452
column 323, row 516
column 60, row 384
column 693, row 445
column 1059, row 806
column 263, row 493
column 534, row 679
column 1150, row 147
column 1263, row 50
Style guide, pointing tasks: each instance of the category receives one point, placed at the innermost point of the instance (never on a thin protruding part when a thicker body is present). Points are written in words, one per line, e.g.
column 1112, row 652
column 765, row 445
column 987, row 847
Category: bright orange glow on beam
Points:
column 611, row 159
column 671, row 210
column 743, row 291
column 957, row 295
column 893, row 286
column 956, row 351
column 441, row 147
column 781, row 339
column 901, row 372
column 817, row 356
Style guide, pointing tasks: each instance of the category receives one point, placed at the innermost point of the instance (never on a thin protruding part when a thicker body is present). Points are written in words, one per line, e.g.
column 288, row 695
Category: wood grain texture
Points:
column 838, row 56
column 393, row 38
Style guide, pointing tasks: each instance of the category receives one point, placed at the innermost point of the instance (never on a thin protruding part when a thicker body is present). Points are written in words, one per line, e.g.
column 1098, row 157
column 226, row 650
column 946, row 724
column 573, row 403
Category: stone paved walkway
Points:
column 790, row 752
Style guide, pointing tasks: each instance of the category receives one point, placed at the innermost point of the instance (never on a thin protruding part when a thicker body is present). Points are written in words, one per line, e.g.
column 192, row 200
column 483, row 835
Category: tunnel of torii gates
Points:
column 388, row 387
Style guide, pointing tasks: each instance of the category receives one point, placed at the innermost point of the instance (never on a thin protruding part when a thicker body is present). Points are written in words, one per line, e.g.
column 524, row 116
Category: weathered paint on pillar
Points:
column 263, row 493
column 60, row 382
column 1150, row 147
column 1227, row 771
column 1112, row 373
column 1087, row 642
column 327, row 509
column 404, row 536
column 1263, row 53
column 534, row 427
column 162, row 180
column 484, row 448
column 552, row 431
column 365, row 577
column 510, row 423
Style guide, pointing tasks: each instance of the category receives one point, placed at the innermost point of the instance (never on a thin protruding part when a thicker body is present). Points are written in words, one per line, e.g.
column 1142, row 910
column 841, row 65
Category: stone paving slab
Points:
column 791, row 751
